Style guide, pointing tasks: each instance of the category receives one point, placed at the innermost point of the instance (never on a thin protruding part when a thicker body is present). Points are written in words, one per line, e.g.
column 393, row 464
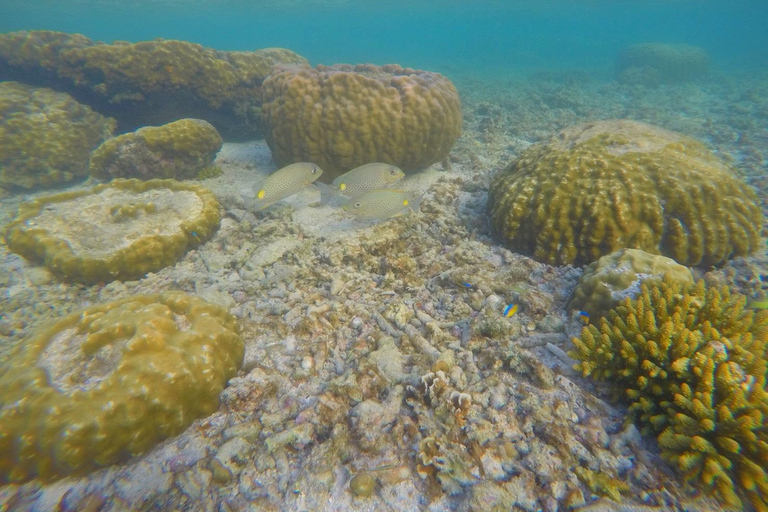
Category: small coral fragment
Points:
column 111, row 381
column 692, row 360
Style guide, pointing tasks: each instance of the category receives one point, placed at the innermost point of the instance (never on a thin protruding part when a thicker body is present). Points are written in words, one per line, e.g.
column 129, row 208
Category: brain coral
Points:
column 618, row 275
column 109, row 382
column 119, row 230
column 47, row 136
column 181, row 150
column 692, row 361
column 667, row 62
column 598, row 187
column 342, row 116
column 147, row 83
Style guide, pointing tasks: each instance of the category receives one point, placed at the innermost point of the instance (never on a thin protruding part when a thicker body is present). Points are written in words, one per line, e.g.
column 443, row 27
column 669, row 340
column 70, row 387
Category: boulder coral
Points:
column 661, row 63
column 150, row 82
column 692, row 361
column 598, row 187
column 111, row 381
column 619, row 275
column 181, row 150
column 47, row 136
column 119, row 230
column 342, row 116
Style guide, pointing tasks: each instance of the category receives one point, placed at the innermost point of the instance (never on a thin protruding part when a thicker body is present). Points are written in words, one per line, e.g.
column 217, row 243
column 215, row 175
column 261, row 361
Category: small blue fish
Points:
column 584, row 317
column 510, row 310
column 467, row 285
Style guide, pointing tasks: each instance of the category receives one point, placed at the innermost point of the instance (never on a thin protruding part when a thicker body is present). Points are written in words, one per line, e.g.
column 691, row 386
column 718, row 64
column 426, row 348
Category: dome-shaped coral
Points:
column 598, row 187
column 47, row 136
column 180, row 150
column 119, row 230
column 618, row 275
column 692, row 360
column 109, row 382
column 342, row 116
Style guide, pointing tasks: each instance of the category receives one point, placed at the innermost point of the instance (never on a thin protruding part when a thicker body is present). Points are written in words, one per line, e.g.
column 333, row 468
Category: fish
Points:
column 382, row 204
column 510, row 310
column 283, row 183
column 758, row 304
column 584, row 317
column 360, row 180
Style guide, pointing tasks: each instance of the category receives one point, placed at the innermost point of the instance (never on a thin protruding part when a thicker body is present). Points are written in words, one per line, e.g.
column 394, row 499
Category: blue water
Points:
column 439, row 35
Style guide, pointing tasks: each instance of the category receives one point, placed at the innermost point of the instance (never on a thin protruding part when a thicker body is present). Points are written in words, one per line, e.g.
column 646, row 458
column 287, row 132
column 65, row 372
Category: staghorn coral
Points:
column 598, row 187
column 615, row 276
column 47, row 136
column 119, row 230
column 693, row 362
column 650, row 63
column 111, row 381
column 180, row 150
column 150, row 82
column 344, row 116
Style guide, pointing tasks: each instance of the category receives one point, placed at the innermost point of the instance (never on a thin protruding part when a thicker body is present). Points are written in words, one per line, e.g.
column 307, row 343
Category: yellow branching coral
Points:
column 693, row 361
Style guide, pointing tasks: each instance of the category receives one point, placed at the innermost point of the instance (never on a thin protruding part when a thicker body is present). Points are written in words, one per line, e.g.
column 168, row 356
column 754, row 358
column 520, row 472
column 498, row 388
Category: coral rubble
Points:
column 111, row 381
column 598, row 187
column 342, row 116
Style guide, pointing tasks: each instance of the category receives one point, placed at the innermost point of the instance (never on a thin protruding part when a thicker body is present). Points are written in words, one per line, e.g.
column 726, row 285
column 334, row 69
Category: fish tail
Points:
column 415, row 203
column 327, row 192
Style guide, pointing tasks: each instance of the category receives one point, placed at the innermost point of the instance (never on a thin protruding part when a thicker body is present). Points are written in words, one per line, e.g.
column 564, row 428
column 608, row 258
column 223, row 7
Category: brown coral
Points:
column 598, row 187
column 344, row 116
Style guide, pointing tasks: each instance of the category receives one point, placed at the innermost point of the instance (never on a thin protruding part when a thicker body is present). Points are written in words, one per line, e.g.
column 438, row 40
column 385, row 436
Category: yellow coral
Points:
column 693, row 362
column 598, row 187
column 119, row 230
column 111, row 381
column 342, row 116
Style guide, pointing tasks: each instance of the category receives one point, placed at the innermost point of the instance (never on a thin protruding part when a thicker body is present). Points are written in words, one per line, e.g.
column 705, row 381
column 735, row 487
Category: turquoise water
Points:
column 435, row 34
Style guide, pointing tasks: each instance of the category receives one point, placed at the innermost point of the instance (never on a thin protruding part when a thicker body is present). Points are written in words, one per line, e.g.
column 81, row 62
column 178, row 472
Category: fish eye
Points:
column 358, row 204
column 314, row 170
column 392, row 172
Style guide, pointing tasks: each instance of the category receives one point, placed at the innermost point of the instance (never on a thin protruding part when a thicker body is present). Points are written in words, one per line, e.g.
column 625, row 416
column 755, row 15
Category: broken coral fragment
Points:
column 119, row 230
column 109, row 382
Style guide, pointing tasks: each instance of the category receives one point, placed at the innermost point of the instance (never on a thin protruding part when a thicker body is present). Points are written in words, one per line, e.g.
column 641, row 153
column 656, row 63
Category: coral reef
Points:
column 47, row 136
column 618, row 275
column 342, row 116
column 147, row 83
column 182, row 149
column 109, row 382
column 119, row 230
column 651, row 63
column 692, row 361
column 599, row 187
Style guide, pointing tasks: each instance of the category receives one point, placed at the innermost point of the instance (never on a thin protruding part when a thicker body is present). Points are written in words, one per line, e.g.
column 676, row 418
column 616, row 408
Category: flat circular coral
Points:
column 47, row 136
column 111, row 381
column 619, row 275
column 692, row 361
column 341, row 117
column 119, row 230
column 598, row 187
column 180, row 150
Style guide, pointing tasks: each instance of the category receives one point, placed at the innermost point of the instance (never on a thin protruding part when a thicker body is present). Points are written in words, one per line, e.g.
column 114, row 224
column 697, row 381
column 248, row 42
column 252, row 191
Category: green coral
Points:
column 343, row 116
column 150, row 82
column 47, row 136
column 180, row 150
column 693, row 362
column 111, row 381
column 119, row 230
column 618, row 275
column 599, row 187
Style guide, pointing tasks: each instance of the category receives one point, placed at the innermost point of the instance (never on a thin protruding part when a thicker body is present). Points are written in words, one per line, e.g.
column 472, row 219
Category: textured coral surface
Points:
column 598, row 187
column 693, row 362
column 111, row 381
column 47, row 136
column 618, row 275
column 342, row 116
column 180, row 150
column 147, row 83
column 119, row 230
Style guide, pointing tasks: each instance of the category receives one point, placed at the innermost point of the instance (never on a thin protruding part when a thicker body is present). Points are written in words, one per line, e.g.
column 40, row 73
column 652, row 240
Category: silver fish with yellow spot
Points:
column 383, row 204
column 360, row 180
column 283, row 183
